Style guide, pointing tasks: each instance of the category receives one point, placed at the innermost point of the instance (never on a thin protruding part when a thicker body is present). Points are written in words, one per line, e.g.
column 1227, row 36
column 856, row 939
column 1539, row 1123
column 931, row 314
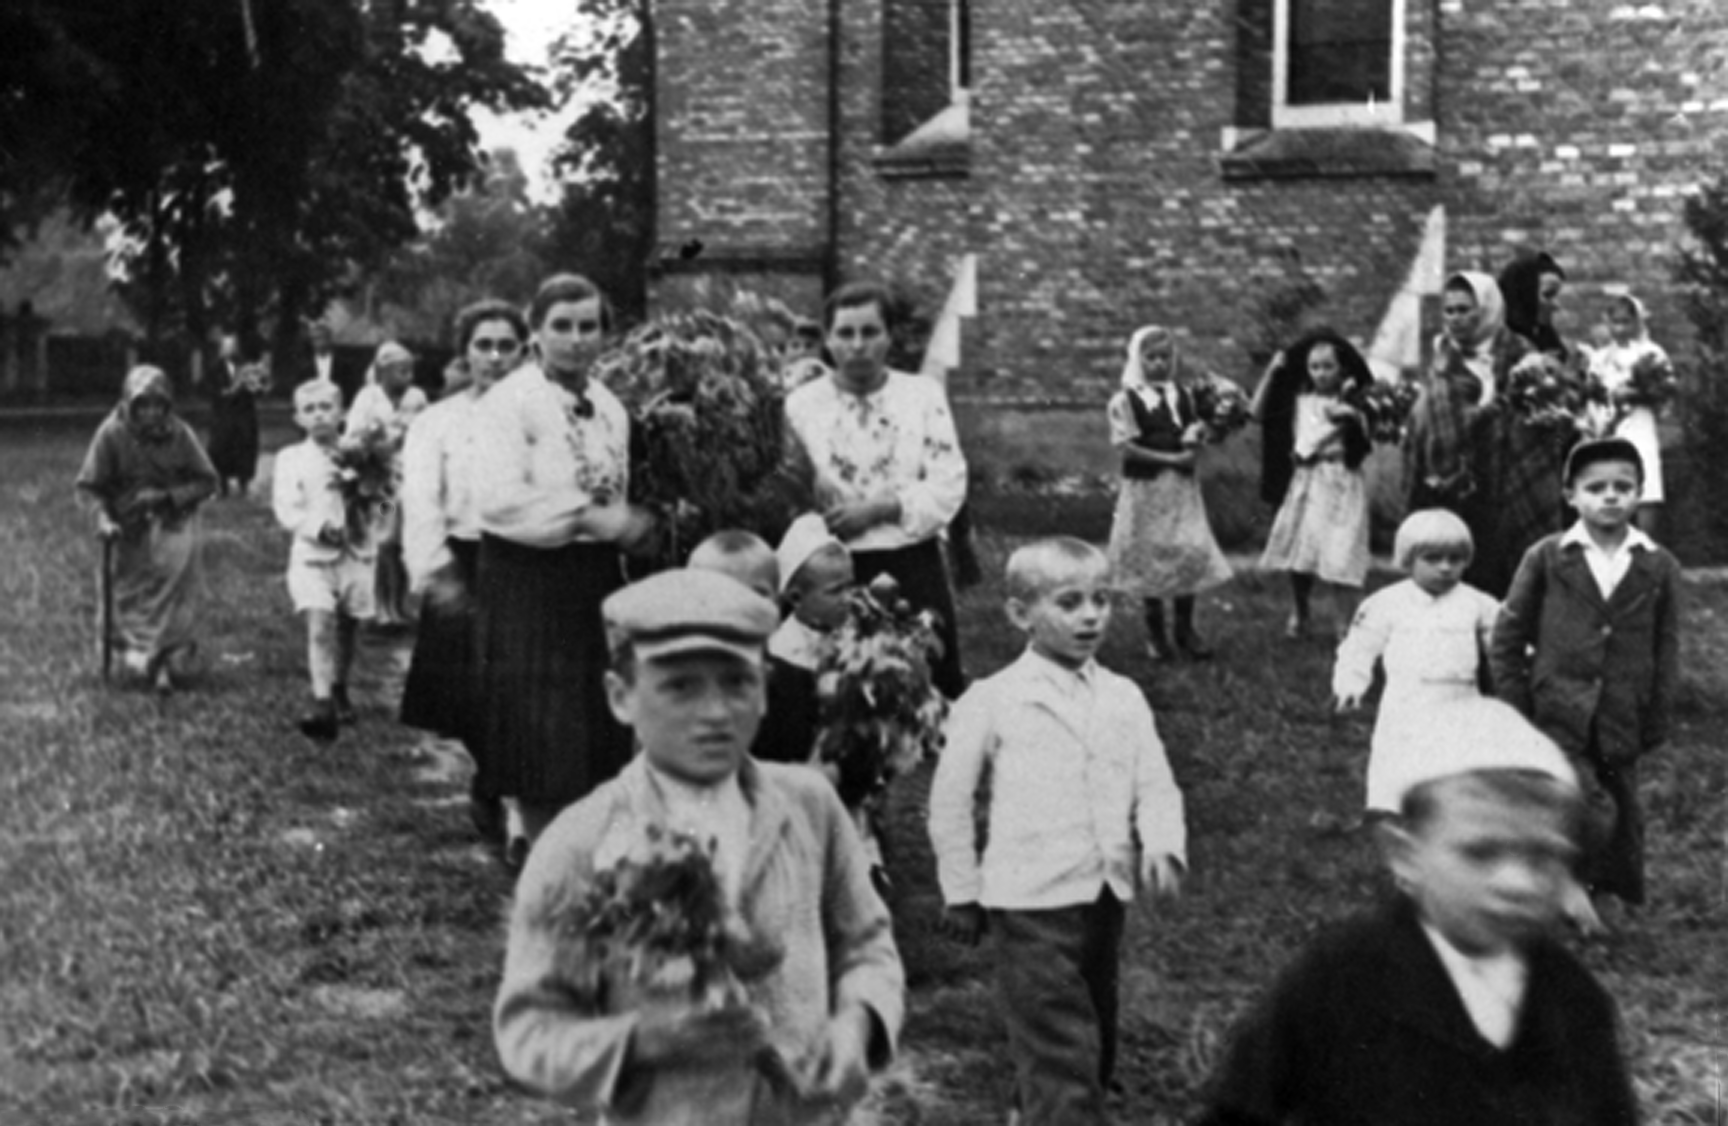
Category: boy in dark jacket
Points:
column 1587, row 645
column 1453, row 1004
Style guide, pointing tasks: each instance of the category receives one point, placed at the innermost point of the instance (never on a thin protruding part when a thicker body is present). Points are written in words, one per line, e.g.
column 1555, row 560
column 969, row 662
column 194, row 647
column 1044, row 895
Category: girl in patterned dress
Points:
column 554, row 523
column 1161, row 544
column 1312, row 457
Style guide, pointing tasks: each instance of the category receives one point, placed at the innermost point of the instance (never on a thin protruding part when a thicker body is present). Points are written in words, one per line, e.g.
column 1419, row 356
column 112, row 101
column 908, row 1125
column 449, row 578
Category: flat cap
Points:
column 1592, row 450
column 1468, row 737
column 688, row 611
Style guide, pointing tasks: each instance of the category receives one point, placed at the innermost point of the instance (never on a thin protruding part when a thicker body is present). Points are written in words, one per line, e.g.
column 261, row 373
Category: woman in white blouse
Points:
column 880, row 453
column 554, row 523
column 441, row 541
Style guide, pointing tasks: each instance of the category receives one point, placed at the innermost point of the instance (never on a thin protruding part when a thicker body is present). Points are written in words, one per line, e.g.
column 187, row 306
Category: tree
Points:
column 604, row 226
column 1702, row 270
column 261, row 154
column 487, row 242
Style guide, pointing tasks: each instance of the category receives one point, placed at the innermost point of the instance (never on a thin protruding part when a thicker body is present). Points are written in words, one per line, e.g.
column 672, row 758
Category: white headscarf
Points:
column 1133, row 373
column 1476, row 352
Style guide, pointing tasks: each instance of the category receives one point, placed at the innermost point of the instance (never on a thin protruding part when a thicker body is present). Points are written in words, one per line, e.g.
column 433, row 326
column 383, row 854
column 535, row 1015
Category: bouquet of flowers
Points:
column 707, row 421
column 253, row 377
column 1384, row 405
column 1542, row 390
column 656, row 920
column 880, row 713
column 1222, row 407
column 366, row 475
column 1652, row 384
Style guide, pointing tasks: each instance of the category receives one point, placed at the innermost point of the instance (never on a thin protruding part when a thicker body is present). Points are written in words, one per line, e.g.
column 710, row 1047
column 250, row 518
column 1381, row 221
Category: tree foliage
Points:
column 257, row 152
column 604, row 226
column 488, row 241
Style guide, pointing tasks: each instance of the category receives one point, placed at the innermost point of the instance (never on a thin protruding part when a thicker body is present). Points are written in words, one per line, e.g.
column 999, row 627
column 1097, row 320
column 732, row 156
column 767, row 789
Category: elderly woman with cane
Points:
column 147, row 476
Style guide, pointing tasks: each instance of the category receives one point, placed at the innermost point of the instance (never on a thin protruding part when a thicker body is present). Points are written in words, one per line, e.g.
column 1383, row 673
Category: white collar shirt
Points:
column 1607, row 566
column 1079, row 785
column 1491, row 986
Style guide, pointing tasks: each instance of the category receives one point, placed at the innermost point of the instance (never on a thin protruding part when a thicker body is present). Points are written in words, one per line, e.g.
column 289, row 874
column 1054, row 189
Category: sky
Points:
column 531, row 26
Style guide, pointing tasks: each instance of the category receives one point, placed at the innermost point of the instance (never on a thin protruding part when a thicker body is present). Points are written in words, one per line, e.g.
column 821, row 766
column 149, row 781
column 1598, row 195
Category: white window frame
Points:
column 1346, row 115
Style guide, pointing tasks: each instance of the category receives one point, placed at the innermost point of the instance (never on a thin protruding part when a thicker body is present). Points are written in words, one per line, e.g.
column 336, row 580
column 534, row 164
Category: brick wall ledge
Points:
column 950, row 161
column 1291, row 154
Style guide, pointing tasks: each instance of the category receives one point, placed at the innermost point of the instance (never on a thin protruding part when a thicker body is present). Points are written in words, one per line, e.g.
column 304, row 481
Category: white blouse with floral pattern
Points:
column 899, row 439
column 549, row 454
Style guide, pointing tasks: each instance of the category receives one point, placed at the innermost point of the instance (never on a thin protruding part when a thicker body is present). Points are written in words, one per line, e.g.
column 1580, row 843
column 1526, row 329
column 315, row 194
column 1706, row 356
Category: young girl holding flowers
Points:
column 1636, row 372
column 1161, row 544
column 1313, row 449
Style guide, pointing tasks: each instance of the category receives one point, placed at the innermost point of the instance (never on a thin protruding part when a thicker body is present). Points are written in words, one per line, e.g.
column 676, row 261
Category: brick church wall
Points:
column 1095, row 198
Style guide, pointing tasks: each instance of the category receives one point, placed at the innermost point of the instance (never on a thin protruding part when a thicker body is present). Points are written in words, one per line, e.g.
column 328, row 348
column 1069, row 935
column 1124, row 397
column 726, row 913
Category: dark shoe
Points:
column 487, row 816
column 1158, row 648
column 1196, row 649
column 321, row 723
column 345, row 714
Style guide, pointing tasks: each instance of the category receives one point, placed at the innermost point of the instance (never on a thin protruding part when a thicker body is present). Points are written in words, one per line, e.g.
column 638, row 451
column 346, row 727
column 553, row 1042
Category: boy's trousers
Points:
column 1056, row 981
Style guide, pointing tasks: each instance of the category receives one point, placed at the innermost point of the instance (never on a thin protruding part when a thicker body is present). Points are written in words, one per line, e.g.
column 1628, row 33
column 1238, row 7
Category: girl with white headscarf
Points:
column 1161, row 543
column 1612, row 363
column 147, row 476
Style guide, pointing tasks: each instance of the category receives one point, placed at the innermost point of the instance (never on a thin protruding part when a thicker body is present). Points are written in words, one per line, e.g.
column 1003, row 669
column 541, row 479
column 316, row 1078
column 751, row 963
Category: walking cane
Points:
column 106, row 581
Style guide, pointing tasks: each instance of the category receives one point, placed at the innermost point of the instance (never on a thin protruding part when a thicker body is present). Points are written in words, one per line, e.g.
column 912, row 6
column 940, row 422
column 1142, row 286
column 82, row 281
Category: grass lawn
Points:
column 205, row 919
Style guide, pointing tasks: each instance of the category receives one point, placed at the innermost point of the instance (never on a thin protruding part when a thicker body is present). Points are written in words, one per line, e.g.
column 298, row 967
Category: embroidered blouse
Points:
column 548, row 454
column 898, row 439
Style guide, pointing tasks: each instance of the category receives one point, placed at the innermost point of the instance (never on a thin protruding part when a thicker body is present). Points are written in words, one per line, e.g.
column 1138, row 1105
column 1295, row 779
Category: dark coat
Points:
column 1603, row 668
column 1367, row 1027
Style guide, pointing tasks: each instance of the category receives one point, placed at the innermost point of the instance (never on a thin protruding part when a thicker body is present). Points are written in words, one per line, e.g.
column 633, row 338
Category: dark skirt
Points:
column 233, row 446
column 541, row 657
column 923, row 579
column 439, row 694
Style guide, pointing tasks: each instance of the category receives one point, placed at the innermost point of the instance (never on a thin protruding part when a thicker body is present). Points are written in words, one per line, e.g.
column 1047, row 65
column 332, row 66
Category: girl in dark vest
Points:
column 1161, row 544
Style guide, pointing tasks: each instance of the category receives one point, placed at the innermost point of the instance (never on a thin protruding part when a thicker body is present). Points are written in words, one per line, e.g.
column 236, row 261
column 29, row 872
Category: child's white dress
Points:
column 1161, row 542
column 1613, row 365
column 1433, row 649
column 1322, row 526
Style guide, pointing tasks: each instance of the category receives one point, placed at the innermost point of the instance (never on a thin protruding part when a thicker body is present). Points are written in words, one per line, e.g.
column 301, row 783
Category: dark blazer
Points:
column 1613, row 663
column 1367, row 1027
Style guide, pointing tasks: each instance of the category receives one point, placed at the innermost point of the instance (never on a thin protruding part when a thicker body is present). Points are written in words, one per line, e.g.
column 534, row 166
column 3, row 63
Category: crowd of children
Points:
column 1501, row 780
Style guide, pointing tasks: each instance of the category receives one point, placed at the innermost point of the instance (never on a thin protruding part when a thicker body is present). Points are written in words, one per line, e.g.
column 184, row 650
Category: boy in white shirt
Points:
column 330, row 567
column 1079, row 790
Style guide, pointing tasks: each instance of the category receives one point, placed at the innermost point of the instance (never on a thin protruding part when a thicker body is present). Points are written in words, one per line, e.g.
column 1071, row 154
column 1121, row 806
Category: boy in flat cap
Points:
column 1587, row 645
column 1454, row 1003
column 823, row 980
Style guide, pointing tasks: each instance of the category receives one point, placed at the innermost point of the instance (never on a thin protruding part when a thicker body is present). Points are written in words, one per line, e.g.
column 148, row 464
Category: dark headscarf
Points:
column 1521, row 286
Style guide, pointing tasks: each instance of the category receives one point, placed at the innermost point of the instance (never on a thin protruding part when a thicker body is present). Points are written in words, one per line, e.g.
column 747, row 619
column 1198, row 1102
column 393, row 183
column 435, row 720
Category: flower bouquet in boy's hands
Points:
column 366, row 475
column 1545, row 391
column 1221, row 407
column 1384, row 405
column 706, row 418
column 653, row 933
column 880, row 711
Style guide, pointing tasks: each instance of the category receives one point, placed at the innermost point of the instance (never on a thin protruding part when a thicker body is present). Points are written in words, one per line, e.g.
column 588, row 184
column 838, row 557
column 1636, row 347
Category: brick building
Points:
column 1053, row 173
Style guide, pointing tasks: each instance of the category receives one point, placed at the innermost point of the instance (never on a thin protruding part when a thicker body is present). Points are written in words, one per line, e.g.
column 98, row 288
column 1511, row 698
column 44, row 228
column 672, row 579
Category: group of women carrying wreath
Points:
column 518, row 507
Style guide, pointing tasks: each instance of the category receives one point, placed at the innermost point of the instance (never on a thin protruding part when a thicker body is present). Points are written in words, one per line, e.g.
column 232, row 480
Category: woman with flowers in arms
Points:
column 879, row 450
column 1488, row 436
column 554, row 522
